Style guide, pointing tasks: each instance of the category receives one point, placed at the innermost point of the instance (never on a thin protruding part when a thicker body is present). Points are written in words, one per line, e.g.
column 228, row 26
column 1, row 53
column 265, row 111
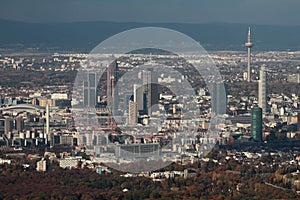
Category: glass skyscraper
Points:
column 219, row 98
column 90, row 90
column 256, row 124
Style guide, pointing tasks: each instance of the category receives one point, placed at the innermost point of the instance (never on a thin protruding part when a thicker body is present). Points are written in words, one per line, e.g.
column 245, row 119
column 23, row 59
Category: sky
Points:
column 281, row 12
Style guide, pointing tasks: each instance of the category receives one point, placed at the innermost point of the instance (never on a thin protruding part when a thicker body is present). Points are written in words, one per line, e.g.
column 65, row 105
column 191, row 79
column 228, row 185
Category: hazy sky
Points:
column 284, row 12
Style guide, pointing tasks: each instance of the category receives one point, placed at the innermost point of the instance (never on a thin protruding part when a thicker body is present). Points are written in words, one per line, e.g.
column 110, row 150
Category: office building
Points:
column 293, row 78
column 90, row 90
column 256, row 124
column 2, row 126
column 8, row 127
column 19, row 124
column 262, row 90
column 112, row 87
column 67, row 140
column 298, row 122
column 218, row 98
column 138, row 97
column 41, row 166
column 69, row 163
column 137, row 150
column 150, row 86
column 44, row 101
column 56, row 96
column 48, row 134
column 132, row 113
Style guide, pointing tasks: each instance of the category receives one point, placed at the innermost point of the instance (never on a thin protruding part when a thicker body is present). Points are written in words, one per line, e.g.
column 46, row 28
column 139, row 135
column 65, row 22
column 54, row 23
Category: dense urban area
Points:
column 251, row 152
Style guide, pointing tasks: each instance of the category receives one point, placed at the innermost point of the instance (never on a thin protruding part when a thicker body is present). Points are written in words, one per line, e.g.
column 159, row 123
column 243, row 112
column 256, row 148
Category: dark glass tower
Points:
column 150, row 90
column 256, row 124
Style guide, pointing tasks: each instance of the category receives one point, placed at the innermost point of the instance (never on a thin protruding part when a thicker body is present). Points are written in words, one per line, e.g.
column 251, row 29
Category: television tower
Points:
column 249, row 45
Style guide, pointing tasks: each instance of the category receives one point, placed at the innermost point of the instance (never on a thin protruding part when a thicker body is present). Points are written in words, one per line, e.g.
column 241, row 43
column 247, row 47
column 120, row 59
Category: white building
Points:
column 262, row 93
column 68, row 163
column 41, row 166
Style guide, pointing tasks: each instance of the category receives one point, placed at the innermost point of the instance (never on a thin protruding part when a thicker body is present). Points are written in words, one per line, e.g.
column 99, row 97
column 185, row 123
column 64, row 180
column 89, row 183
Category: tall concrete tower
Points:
column 262, row 89
column 249, row 44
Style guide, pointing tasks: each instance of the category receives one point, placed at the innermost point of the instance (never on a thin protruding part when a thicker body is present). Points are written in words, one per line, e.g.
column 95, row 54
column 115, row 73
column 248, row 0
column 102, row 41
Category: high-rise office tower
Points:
column 48, row 135
column 218, row 98
column 262, row 90
column 256, row 124
column 132, row 113
column 2, row 126
column 47, row 120
column 249, row 45
column 8, row 127
column 150, row 84
column 112, row 87
column 138, row 97
column 90, row 90
column 298, row 122
column 19, row 124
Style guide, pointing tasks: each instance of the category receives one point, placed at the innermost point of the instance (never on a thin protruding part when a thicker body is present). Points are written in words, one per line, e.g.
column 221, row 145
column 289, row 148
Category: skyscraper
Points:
column 8, row 127
column 249, row 45
column 218, row 98
column 298, row 122
column 47, row 131
column 90, row 90
column 150, row 85
column 132, row 113
column 256, row 124
column 2, row 126
column 112, row 87
column 262, row 94
column 19, row 123
column 138, row 97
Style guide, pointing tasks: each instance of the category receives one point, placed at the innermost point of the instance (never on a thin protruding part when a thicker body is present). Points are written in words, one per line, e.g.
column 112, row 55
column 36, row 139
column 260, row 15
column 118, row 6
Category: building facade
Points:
column 262, row 89
column 90, row 90
column 218, row 98
column 256, row 124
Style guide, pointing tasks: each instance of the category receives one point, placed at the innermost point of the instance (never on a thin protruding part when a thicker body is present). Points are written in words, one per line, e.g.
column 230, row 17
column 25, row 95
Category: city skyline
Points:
column 149, row 100
column 246, row 147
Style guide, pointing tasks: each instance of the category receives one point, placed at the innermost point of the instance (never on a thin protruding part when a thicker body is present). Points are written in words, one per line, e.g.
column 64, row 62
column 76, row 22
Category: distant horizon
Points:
column 267, row 12
column 153, row 22
column 84, row 36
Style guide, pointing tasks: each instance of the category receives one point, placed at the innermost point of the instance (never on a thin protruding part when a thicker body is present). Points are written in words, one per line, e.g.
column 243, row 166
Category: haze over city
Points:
column 267, row 12
column 149, row 99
